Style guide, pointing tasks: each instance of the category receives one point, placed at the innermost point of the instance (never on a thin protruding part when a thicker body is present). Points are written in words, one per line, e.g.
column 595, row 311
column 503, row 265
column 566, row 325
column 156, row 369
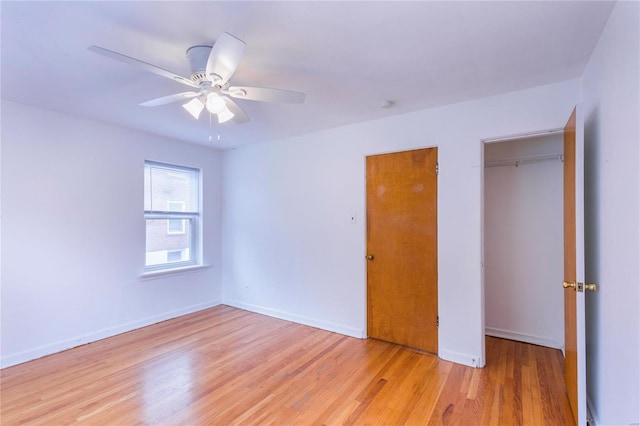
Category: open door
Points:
column 574, row 287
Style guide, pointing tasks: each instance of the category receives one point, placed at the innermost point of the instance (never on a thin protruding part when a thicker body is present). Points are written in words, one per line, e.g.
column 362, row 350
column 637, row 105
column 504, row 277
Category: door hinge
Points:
column 437, row 169
column 437, row 320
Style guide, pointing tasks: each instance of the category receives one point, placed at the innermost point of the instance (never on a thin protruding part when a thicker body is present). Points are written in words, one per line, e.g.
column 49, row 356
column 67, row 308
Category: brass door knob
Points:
column 591, row 287
column 567, row 284
column 369, row 257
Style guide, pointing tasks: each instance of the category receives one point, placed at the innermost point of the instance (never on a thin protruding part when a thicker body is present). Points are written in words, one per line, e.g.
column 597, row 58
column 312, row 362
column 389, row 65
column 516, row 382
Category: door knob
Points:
column 369, row 257
column 567, row 284
column 591, row 287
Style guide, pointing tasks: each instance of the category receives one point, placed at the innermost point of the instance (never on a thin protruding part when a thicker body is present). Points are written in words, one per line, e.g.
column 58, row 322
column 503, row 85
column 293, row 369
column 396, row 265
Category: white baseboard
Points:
column 31, row 354
column 299, row 319
column 460, row 358
column 523, row 337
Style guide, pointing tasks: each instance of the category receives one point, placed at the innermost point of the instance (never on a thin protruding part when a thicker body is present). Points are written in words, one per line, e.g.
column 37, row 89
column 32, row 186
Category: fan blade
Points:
column 239, row 116
column 224, row 58
column 265, row 94
column 169, row 99
column 140, row 64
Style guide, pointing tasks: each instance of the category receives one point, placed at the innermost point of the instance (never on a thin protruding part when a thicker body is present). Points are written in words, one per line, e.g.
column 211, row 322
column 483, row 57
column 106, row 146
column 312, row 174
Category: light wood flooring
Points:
column 225, row 366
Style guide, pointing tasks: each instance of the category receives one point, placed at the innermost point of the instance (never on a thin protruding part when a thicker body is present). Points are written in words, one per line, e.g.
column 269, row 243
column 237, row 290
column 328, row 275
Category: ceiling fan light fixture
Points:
column 194, row 107
column 225, row 115
column 215, row 104
column 211, row 68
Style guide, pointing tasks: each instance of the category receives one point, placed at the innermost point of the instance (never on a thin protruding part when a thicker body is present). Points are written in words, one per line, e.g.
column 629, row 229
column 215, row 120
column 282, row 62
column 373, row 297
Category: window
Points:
column 172, row 215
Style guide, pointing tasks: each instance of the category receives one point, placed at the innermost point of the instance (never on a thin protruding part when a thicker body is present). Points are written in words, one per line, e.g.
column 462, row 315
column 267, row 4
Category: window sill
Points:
column 152, row 275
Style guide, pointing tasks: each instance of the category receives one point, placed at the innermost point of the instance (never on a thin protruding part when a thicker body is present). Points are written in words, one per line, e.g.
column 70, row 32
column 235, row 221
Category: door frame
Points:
column 581, row 409
column 364, row 223
column 483, row 143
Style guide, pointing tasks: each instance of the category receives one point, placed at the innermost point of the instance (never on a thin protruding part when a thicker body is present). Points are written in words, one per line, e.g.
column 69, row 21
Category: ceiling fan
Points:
column 211, row 68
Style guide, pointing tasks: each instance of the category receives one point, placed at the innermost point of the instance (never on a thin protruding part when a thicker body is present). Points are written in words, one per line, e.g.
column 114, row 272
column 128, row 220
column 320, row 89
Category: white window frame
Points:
column 194, row 219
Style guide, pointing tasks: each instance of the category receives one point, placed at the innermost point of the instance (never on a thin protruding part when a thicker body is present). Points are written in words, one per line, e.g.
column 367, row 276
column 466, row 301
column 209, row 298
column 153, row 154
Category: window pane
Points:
column 171, row 189
column 165, row 246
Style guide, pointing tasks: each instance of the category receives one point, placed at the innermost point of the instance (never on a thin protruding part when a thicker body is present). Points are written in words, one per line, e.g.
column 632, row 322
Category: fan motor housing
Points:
column 198, row 56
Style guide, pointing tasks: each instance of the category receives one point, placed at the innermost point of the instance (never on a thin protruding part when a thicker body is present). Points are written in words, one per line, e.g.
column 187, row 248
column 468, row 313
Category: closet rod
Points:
column 516, row 161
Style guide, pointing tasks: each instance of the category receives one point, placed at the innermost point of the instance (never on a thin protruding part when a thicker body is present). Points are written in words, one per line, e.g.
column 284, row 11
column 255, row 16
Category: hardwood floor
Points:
column 226, row 366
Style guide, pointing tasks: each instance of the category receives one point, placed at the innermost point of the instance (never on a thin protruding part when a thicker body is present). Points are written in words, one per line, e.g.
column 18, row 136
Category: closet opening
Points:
column 523, row 239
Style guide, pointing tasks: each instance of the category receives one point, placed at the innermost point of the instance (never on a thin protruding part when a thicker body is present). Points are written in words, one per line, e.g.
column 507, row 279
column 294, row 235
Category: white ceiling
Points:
column 348, row 57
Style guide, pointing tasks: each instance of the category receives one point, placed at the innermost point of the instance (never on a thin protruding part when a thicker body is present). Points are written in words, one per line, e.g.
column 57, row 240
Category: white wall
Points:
column 524, row 243
column 610, row 89
column 289, row 250
column 73, row 232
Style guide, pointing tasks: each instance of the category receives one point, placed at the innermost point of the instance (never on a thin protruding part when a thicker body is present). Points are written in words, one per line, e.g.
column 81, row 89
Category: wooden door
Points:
column 402, row 265
column 574, row 315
